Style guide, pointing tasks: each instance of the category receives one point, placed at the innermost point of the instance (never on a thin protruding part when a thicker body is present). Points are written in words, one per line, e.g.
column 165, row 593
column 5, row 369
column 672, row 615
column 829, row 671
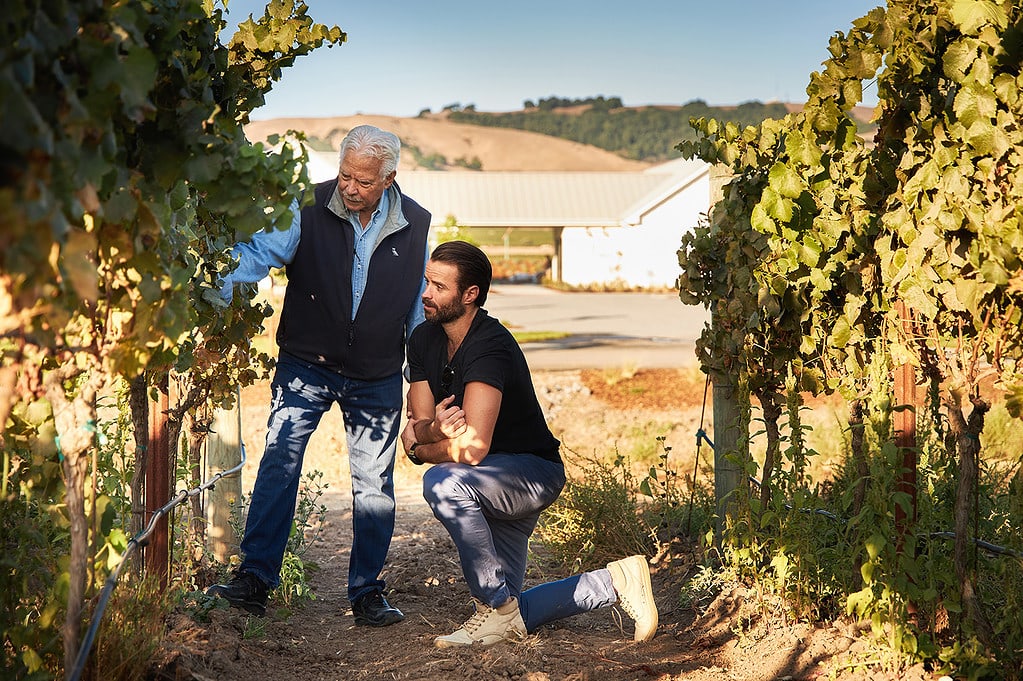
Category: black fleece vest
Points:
column 316, row 320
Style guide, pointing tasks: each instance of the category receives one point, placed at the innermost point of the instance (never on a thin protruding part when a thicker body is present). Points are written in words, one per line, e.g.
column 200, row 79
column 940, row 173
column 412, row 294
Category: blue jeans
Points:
column 302, row 393
column 490, row 511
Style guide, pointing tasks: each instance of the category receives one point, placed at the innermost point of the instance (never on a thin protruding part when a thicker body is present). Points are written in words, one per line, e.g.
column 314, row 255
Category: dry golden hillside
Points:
column 496, row 148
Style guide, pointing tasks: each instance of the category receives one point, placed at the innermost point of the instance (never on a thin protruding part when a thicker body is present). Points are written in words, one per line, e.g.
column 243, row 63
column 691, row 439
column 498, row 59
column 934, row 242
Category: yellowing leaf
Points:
column 840, row 333
column 1014, row 399
column 859, row 602
column 780, row 563
column 874, row 544
column 784, row 180
column 800, row 150
column 776, row 206
column 958, row 58
column 993, row 271
column 810, row 253
column 901, row 354
column 760, row 221
column 32, row 660
column 867, row 572
column 77, row 263
column 819, row 280
column 970, row 15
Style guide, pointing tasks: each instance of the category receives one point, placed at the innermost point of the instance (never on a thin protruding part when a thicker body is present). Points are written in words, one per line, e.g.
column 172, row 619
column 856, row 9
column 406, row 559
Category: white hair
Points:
column 369, row 140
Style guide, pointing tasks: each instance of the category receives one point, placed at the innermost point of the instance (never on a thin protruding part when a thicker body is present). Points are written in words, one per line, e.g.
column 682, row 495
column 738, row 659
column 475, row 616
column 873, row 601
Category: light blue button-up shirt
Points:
column 365, row 241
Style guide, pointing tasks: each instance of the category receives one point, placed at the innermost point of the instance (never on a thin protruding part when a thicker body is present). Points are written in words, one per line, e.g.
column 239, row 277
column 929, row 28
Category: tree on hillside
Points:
column 640, row 133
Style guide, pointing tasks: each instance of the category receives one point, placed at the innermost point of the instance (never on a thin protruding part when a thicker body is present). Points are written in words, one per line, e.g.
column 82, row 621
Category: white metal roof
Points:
column 545, row 198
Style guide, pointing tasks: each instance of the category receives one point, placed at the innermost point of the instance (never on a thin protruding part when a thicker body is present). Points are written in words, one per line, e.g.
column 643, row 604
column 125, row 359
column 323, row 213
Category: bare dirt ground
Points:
column 733, row 637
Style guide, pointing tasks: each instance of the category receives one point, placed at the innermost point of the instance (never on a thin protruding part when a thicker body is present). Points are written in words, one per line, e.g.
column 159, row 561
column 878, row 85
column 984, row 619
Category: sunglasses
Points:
column 447, row 376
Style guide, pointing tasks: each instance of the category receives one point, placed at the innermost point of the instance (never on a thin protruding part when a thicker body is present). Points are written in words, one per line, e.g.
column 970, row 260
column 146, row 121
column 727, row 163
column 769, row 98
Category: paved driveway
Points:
column 609, row 330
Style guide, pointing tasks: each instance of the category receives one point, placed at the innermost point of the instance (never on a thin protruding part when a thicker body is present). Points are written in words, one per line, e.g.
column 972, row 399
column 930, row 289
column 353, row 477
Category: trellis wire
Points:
column 701, row 436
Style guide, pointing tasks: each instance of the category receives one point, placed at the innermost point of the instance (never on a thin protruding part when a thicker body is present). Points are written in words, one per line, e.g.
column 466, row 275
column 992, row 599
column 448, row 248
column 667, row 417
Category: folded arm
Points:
column 449, row 432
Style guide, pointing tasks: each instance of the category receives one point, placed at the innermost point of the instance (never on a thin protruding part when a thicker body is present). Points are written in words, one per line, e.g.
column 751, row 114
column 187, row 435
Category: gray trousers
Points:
column 490, row 511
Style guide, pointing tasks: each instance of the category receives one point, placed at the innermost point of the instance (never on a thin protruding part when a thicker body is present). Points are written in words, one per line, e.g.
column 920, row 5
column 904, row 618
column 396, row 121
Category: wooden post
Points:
column 224, row 453
column 728, row 475
column 905, row 432
column 727, row 470
column 157, row 549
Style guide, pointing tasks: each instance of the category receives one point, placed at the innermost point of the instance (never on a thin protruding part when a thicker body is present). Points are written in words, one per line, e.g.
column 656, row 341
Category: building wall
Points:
column 640, row 256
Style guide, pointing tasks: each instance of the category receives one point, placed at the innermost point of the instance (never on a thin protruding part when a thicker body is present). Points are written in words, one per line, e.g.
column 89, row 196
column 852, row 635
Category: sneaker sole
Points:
column 248, row 606
column 648, row 590
column 483, row 643
column 253, row 608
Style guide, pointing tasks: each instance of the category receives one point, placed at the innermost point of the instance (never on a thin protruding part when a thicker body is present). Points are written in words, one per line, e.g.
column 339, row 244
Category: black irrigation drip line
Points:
column 138, row 540
column 701, row 436
column 987, row 546
column 818, row 511
column 980, row 543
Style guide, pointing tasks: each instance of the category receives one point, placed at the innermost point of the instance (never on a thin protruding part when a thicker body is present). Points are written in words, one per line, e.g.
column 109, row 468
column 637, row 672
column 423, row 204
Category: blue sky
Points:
column 407, row 55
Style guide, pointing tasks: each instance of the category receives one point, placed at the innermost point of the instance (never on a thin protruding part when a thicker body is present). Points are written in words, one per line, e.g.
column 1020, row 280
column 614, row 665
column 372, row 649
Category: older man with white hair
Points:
column 355, row 261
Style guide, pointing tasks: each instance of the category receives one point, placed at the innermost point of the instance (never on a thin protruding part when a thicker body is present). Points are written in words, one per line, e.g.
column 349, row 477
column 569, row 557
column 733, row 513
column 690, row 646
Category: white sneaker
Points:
column 487, row 626
column 631, row 579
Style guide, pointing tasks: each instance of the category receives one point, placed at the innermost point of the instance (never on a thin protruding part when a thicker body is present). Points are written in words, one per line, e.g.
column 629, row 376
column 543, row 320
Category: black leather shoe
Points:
column 245, row 591
column 373, row 610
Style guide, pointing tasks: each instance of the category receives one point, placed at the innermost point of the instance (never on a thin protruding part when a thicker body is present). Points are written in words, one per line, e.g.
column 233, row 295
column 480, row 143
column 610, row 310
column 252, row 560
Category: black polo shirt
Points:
column 491, row 355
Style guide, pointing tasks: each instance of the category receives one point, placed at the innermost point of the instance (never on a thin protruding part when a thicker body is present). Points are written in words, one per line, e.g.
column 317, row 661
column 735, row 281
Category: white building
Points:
column 609, row 228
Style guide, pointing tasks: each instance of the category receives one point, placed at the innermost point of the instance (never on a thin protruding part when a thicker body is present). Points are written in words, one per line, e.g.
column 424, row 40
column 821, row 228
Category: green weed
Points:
column 596, row 519
column 306, row 527
column 255, row 628
column 701, row 590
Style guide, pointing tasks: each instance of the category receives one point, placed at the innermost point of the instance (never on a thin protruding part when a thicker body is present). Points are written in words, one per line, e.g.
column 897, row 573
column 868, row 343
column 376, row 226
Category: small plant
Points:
column 614, row 376
column 255, row 627
column 294, row 587
column 700, row 591
column 596, row 519
column 678, row 507
column 309, row 513
column 198, row 605
column 305, row 531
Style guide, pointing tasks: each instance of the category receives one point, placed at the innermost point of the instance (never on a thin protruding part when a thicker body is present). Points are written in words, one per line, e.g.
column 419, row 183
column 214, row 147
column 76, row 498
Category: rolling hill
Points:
column 537, row 141
column 495, row 148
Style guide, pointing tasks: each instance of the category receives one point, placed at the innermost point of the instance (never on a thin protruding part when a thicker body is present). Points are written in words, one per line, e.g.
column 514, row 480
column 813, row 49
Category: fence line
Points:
column 137, row 541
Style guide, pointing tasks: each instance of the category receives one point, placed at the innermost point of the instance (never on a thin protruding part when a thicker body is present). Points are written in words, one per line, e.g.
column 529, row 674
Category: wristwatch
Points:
column 412, row 455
